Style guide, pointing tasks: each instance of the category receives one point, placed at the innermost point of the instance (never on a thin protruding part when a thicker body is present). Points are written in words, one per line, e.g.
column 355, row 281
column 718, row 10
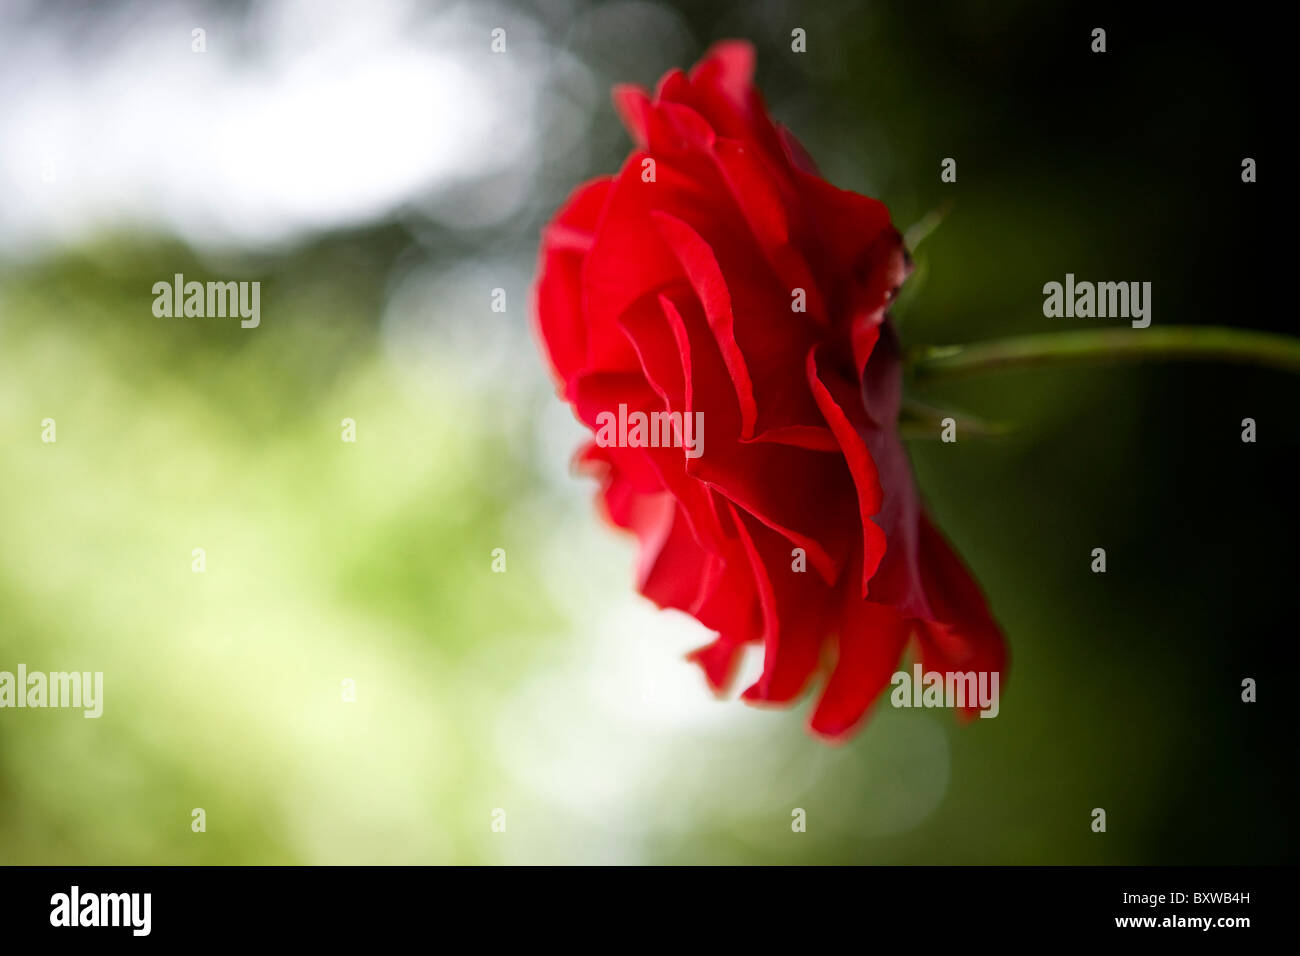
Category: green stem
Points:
column 921, row 420
column 1194, row 343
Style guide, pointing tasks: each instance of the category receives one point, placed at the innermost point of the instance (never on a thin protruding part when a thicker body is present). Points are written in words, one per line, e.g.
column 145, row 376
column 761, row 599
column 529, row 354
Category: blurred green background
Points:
column 551, row 691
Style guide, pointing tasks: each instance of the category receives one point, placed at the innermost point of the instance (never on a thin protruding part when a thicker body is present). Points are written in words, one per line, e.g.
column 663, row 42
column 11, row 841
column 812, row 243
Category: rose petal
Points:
column 868, row 647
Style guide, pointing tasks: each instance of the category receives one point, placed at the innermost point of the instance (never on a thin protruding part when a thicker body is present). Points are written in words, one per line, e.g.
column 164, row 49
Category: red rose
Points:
column 676, row 286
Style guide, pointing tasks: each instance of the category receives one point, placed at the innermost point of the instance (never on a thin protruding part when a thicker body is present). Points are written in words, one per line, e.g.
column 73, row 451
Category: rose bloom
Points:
column 727, row 278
